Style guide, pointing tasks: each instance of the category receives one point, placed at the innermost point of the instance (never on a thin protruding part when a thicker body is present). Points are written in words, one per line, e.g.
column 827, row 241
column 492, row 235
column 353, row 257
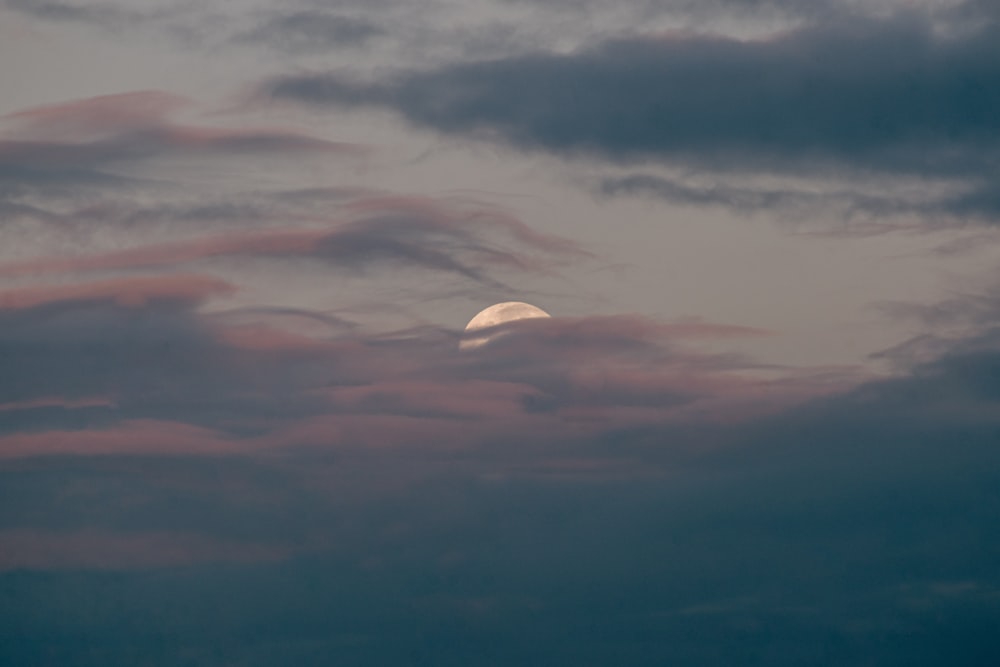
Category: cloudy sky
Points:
column 239, row 242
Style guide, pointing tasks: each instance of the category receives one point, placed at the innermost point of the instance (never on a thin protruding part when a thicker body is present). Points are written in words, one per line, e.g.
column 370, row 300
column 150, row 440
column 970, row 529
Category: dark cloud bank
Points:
column 183, row 489
column 901, row 96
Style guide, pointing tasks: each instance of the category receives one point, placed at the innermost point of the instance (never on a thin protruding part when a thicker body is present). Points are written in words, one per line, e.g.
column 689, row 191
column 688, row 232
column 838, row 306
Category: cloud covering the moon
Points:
column 481, row 329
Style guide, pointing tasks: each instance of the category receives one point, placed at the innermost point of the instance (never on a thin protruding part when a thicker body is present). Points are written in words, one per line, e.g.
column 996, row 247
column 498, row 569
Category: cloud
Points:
column 961, row 321
column 976, row 203
column 743, row 9
column 311, row 32
column 127, row 293
column 86, row 140
column 450, row 237
column 140, row 437
column 39, row 403
column 141, row 345
column 93, row 13
column 969, row 311
column 140, row 212
column 90, row 550
column 876, row 502
column 374, row 479
column 818, row 93
column 889, row 96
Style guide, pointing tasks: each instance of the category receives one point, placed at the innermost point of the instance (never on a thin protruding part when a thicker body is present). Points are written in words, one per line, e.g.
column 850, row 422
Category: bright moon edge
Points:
column 499, row 313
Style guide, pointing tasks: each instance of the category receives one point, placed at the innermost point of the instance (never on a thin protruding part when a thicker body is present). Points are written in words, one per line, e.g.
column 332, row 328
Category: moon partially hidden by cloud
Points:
column 499, row 313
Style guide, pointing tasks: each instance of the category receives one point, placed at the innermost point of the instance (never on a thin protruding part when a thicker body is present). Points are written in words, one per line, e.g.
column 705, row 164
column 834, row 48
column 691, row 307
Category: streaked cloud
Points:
column 84, row 141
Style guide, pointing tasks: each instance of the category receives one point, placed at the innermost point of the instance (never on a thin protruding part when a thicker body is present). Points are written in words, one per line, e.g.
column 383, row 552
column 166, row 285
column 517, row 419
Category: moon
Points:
column 498, row 313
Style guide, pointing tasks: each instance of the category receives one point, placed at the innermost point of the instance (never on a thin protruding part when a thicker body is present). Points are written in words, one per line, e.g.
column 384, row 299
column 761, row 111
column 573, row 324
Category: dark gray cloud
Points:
column 92, row 13
column 980, row 203
column 969, row 311
column 962, row 322
column 312, row 32
column 883, row 94
column 740, row 18
column 856, row 528
column 255, row 495
column 893, row 96
column 86, row 344
column 699, row 11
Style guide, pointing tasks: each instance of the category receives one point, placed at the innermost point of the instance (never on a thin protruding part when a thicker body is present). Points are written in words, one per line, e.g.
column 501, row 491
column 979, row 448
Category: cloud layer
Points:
column 238, row 424
column 896, row 96
column 403, row 501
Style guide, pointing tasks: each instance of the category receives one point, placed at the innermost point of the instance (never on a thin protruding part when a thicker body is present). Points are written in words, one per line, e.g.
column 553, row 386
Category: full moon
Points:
column 498, row 313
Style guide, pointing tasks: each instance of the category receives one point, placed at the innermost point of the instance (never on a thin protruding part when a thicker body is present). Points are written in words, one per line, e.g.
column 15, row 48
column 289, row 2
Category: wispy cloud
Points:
column 132, row 292
column 86, row 140
column 347, row 387
column 451, row 237
column 310, row 31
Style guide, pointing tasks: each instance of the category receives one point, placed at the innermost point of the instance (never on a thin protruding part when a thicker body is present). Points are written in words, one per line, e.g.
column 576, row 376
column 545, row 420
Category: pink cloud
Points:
column 98, row 116
column 267, row 242
column 259, row 338
column 411, row 231
column 548, row 382
column 129, row 292
column 700, row 329
column 252, row 138
column 137, row 437
column 136, row 125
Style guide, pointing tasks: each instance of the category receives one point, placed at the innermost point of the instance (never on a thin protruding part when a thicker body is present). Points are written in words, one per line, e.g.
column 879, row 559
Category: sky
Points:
column 239, row 244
